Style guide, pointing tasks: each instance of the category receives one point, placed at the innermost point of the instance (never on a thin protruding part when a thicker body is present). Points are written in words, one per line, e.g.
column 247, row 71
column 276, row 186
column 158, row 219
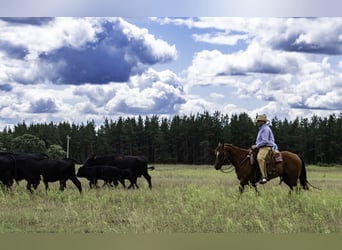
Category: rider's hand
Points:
column 253, row 147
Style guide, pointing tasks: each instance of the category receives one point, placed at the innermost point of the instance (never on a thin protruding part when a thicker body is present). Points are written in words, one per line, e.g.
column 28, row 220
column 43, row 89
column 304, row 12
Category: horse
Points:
column 290, row 169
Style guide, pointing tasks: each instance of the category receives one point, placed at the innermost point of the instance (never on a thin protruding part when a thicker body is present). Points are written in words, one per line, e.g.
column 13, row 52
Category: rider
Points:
column 264, row 142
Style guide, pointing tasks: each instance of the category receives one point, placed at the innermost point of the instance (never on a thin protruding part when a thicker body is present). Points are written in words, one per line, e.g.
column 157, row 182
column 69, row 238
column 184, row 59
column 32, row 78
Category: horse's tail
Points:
column 302, row 177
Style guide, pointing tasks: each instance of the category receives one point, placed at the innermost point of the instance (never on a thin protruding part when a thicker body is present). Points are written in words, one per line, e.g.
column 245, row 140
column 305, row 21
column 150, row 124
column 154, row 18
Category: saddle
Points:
column 272, row 158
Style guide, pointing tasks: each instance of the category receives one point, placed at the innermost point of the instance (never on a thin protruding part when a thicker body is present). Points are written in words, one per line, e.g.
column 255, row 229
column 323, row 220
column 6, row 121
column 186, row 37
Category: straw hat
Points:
column 261, row 118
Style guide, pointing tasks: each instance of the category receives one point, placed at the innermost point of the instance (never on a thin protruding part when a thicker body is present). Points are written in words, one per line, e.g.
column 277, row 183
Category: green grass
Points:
column 184, row 199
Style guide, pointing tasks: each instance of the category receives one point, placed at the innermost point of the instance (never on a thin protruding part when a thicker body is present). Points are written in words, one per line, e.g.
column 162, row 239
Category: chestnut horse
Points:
column 289, row 170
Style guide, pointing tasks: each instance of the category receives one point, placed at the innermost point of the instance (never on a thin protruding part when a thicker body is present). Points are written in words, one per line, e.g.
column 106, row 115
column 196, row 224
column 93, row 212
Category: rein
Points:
column 227, row 170
column 230, row 169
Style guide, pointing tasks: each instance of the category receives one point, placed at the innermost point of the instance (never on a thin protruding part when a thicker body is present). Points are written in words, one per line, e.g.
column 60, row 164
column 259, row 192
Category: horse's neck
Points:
column 238, row 154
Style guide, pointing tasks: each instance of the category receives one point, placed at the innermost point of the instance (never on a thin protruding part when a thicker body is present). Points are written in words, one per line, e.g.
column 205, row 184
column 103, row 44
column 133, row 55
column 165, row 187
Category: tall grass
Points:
column 183, row 199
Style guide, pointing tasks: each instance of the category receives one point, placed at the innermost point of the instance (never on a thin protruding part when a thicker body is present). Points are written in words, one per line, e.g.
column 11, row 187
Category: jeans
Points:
column 261, row 158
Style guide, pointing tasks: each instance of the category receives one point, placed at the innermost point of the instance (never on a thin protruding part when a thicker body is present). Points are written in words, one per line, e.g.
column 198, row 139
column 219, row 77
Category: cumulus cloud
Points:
column 213, row 66
column 43, row 106
column 79, row 50
column 79, row 69
column 305, row 35
column 220, row 38
column 286, row 61
column 320, row 36
column 5, row 87
column 27, row 20
column 152, row 92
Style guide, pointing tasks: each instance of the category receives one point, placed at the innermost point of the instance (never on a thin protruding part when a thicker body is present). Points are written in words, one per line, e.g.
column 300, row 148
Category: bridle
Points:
column 231, row 167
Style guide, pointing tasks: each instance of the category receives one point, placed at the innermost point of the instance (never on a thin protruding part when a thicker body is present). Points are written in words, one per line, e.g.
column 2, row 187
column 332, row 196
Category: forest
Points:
column 182, row 139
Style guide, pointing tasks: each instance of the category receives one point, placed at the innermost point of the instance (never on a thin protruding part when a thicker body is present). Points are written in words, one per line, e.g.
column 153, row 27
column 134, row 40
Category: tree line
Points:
column 186, row 139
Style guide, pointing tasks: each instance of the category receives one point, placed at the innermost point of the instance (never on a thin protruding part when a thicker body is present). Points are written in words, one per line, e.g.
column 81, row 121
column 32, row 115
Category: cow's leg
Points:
column 9, row 184
column 108, row 182
column 62, row 185
column 46, row 185
column 122, row 181
column 135, row 182
column 93, row 183
column 35, row 183
column 2, row 185
column 148, row 178
column 28, row 187
column 115, row 182
column 77, row 183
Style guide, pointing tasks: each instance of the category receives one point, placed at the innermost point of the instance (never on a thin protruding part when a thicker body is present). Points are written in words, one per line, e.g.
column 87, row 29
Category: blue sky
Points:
column 78, row 69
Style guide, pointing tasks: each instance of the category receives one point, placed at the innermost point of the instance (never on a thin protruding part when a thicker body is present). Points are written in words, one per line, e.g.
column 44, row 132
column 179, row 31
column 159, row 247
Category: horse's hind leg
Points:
column 291, row 184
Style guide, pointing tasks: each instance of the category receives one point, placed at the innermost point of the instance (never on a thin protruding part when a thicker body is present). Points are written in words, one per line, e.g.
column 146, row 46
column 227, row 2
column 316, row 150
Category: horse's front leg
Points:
column 243, row 183
column 255, row 187
column 241, row 188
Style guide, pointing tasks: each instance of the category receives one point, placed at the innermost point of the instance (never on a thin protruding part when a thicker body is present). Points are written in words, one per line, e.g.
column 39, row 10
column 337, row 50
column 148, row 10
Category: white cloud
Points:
column 215, row 67
column 281, row 64
column 286, row 67
column 73, row 32
column 78, row 50
column 219, row 38
column 216, row 96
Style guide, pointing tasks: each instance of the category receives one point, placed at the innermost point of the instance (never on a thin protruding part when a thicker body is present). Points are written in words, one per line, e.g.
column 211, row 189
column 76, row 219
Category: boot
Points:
column 263, row 180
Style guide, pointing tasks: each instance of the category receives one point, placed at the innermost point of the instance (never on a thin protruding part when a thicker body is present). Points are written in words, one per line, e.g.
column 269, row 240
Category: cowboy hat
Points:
column 261, row 118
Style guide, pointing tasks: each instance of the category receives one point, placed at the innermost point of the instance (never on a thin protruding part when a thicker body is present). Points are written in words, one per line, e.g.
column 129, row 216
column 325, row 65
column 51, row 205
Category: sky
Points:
column 79, row 69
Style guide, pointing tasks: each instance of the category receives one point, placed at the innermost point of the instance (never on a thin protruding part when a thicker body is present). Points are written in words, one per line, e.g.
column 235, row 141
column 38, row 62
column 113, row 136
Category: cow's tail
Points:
column 151, row 168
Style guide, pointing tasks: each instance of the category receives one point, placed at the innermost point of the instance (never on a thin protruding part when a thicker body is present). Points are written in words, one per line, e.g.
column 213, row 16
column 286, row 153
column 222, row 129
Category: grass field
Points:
column 184, row 199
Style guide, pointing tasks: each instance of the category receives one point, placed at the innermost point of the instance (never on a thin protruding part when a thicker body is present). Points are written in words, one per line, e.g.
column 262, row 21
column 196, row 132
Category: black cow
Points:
column 128, row 174
column 125, row 174
column 7, row 169
column 109, row 174
column 31, row 166
column 137, row 164
column 59, row 170
column 27, row 167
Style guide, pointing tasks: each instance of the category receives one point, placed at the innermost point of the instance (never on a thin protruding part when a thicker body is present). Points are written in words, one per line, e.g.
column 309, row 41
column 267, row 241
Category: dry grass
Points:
column 184, row 199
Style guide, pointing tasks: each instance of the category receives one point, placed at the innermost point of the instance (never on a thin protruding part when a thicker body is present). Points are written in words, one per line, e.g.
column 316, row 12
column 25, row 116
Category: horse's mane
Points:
column 235, row 147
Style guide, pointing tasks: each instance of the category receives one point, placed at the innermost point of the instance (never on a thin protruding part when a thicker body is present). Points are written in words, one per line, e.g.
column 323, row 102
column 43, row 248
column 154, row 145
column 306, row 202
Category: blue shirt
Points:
column 265, row 137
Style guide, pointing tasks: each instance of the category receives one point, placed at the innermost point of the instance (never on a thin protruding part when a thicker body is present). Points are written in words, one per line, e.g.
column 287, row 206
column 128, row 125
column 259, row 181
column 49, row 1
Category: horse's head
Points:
column 221, row 156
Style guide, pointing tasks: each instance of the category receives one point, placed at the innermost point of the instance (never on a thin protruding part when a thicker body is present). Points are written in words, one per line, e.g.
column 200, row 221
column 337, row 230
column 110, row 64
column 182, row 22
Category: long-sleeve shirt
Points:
column 265, row 137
